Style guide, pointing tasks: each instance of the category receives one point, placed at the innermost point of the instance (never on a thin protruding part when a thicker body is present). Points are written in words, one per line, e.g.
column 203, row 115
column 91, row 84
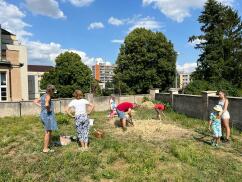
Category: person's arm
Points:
column 68, row 111
column 130, row 112
column 47, row 103
column 226, row 103
column 90, row 108
column 37, row 102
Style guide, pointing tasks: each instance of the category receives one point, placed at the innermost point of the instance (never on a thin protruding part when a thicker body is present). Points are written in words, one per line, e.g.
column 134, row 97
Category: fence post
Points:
column 153, row 92
column 205, row 96
column 172, row 91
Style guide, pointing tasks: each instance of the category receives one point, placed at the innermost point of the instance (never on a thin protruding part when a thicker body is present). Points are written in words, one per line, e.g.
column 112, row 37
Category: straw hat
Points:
column 218, row 108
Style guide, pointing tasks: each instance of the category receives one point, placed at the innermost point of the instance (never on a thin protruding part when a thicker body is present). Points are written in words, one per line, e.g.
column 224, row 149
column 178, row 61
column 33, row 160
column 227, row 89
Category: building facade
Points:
column 35, row 73
column 184, row 79
column 13, row 68
column 103, row 72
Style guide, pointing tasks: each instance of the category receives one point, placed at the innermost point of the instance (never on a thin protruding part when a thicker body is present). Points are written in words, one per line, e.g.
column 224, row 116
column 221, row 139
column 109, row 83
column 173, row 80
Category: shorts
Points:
column 121, row 114
column 226, row 115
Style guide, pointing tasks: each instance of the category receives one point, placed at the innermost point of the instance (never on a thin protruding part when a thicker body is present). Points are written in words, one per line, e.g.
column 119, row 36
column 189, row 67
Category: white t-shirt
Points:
column 79, row 105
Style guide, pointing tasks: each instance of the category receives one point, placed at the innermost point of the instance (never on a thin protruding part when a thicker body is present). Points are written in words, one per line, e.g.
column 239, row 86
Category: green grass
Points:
column 116, row 158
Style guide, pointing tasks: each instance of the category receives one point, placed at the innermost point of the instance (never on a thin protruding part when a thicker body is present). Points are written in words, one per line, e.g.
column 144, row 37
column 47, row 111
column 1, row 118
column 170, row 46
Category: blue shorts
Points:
column 121, row 114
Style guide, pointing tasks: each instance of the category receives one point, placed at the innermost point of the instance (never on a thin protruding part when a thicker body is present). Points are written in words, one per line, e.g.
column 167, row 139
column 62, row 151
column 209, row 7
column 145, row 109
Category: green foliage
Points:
column 62, row 119
column 197, row 86
column 109, row 89
column 146, row 60
column 125, row 158
column 69, row 74
column 221, row 46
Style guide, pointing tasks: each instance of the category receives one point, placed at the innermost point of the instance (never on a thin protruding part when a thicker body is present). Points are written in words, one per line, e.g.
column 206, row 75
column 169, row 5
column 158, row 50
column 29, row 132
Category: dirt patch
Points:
column 153, row 130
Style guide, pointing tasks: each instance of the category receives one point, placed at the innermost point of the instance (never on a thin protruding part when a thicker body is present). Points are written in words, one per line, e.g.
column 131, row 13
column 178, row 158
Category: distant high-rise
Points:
column 184, row 79
column 103, row 72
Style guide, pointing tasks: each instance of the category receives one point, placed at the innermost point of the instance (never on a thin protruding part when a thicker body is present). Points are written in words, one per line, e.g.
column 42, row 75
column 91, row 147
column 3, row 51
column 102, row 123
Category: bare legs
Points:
column 226, row 127
column 158, row 114
column 47, row 140
column 84, row 145
column 123, row 123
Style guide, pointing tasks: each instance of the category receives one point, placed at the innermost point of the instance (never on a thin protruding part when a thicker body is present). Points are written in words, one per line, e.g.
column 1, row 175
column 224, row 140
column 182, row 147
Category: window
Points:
column 3, row 86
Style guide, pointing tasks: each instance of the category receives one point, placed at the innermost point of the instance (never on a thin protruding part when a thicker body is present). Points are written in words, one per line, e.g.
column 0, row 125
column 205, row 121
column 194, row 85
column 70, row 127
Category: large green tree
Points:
column 220, row 45
column 146, row 60
column 70, row 73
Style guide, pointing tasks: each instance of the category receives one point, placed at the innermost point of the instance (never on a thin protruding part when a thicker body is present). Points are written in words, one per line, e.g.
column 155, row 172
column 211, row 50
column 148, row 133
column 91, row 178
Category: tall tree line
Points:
column 220, row 44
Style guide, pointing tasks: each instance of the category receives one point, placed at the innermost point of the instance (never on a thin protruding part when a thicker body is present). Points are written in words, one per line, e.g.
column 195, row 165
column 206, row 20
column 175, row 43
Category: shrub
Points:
column 197, row 86
column 62, row 119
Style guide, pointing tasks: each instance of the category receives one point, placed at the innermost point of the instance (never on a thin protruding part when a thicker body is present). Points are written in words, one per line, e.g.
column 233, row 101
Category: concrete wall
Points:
column 201, row 106
column 234, row 108
column 29, row 108
column 189, row 105
column 163, row 96
column 9, row 109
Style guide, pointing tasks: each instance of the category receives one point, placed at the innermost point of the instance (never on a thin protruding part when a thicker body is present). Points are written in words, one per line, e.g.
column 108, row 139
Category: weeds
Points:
column 117, row 158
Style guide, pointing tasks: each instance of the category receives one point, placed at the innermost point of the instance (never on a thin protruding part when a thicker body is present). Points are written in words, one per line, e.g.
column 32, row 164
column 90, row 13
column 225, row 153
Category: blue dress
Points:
column 216, row 125
column 47, row 118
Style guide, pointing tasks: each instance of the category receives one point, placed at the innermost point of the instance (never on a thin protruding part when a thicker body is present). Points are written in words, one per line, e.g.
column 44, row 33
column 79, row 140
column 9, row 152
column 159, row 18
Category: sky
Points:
column 95, row 29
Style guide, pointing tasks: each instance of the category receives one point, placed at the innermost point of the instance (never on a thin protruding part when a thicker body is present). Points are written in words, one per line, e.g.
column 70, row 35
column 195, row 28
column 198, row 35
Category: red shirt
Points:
column 124, row 107
column 160, row 107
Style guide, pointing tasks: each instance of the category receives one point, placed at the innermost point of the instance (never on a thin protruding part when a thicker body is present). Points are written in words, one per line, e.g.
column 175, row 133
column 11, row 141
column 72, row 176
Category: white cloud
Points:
column 45, row 53
column 187, row 67
column 11, row 18
column 197, row 41
column 95, row 25
column 118, row 41
column 178, row 10
column 115, row 21
column 147, row 23
column 46, row 8
column 81, row 3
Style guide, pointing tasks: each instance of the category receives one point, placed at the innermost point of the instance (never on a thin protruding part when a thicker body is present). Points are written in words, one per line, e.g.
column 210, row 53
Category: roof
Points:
column 5, row 32
column 39, row 68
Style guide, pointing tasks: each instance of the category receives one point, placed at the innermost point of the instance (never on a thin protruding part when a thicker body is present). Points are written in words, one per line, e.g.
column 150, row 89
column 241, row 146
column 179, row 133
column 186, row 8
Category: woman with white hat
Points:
column 215, row 122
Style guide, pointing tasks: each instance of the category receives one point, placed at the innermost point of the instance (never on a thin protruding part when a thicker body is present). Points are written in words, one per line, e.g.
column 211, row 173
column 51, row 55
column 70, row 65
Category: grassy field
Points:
column 175, row 149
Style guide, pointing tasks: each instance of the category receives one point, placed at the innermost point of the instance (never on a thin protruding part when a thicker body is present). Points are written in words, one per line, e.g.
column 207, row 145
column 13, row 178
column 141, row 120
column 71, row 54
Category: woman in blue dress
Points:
column 47, row 115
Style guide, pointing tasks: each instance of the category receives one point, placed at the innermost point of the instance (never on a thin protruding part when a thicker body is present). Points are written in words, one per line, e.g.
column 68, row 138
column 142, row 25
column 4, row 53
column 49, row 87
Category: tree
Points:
column 220, row 45
column 197, row 86
column 70, row 73
column 146, row 60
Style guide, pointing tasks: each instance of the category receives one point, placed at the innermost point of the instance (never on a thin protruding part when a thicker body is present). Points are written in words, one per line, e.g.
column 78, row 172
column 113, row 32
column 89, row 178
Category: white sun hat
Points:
column 218, row 108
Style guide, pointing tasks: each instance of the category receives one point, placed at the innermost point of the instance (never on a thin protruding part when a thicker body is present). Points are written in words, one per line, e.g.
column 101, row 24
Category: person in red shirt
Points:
column 122, row 108
column 159, row 108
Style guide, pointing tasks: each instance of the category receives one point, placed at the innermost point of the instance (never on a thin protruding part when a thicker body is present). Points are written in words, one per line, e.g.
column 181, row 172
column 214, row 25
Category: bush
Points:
column 197, row 86
column 62, row 119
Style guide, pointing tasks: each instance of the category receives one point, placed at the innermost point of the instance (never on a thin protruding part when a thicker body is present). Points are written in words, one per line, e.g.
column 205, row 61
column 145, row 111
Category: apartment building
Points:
column 184, row 79
column 35, row 73
column 13, row 68
column 103, row 72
